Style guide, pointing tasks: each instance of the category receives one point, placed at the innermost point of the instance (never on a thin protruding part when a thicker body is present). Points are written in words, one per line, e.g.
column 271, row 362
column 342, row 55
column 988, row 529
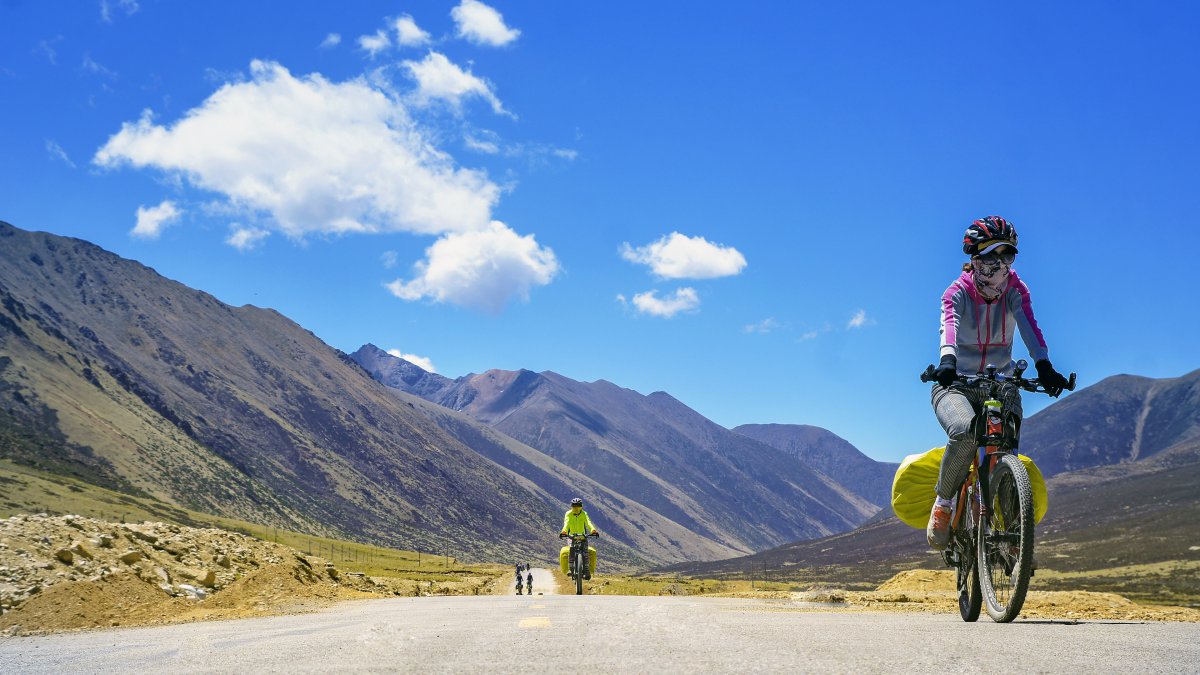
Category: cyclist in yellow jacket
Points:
column 576, row 521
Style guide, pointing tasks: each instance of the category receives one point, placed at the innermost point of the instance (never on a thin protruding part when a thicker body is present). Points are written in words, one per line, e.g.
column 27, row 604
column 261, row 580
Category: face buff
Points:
column 991, row 275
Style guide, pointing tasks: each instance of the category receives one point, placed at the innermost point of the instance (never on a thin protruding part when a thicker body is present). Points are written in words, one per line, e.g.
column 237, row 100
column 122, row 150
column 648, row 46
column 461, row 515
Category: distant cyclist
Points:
column 529, row 582
column 576, row 521
column 981, row 311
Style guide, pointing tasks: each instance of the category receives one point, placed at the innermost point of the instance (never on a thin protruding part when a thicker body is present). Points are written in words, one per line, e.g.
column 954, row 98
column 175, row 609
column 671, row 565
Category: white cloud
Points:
column 56, row 152
column 676, row 256
column 481, row 145
column 373, row 44
column 46, row 48
column 622, row 299
column 483, row 269
column 130, row 7
column 92, row 66
column 408, row 33
column 859, row 320
column 482, row 24
column 684, row 300
column 389, row 259
column 422, row 362
column 765, row 326
column 317, row 156
column 331, row 40
column 151, row 221
column 246, row 238
column 439, row 79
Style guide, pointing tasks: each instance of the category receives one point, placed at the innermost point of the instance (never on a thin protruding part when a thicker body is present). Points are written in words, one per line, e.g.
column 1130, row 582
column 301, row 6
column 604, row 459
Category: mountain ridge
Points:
column 652, row 448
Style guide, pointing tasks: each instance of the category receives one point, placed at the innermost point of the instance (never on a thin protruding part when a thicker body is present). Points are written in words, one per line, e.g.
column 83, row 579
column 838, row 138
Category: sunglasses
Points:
column 995, row 259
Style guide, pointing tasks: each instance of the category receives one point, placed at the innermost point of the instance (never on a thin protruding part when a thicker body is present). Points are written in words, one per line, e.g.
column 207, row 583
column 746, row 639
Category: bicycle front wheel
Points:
column 1005, row 541
column 579, row 567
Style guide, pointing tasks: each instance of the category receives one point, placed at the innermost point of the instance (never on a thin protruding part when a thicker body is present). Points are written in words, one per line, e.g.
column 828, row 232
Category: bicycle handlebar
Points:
column 1032, row 385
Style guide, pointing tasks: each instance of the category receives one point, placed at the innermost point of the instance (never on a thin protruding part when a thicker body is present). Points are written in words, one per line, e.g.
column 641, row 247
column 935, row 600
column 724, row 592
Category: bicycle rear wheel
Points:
column 1005, row 541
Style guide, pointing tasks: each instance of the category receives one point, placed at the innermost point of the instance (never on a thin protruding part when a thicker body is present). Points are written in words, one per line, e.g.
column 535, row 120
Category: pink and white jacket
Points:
column 980, row 332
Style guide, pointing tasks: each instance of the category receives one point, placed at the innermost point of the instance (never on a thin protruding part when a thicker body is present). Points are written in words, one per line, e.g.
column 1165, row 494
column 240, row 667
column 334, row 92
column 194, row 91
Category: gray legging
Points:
column 956, row 407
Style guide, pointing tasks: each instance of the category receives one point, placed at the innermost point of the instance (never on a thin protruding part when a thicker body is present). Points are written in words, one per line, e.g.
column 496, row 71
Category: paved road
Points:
column 550, row 634
column 543, row 583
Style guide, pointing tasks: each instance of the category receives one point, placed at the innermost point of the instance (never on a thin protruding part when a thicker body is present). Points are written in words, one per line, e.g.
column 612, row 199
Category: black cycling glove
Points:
column 1050, row 378
column 947, row 370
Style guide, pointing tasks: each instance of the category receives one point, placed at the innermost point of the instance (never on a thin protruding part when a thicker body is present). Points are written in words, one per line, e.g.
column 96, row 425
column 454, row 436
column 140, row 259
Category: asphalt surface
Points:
column 543, row 583
column 552, row 634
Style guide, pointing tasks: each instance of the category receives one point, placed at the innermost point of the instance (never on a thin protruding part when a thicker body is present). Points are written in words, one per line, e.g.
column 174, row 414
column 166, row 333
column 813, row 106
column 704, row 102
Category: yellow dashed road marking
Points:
column 535, row 622
column 537, row 607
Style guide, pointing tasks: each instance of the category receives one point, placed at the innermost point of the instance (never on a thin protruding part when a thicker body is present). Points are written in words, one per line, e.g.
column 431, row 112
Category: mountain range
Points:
column 113, row 374
column 1123, row 461
column 651, row 448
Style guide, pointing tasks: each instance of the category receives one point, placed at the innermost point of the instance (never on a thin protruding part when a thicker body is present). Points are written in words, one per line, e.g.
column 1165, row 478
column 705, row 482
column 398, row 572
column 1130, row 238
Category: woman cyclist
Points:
column 981, row 311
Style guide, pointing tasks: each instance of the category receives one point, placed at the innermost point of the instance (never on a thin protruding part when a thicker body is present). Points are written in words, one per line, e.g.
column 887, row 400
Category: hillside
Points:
column 1122, row 418
column 830, row 454
column 112, row 374
column 653, row 449
column 1129, row 527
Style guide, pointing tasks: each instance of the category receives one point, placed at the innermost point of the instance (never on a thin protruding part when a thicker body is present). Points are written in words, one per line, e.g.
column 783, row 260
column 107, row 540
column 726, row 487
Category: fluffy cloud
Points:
column 859, row 320
column 331, row 40
column 408, row 33
column 676, row 256
column 439, row 79
column 373, row 44
column 421, row 362
column 482, row 24
column 246, row 238
column 482, row 269
column 684, row 300
column 317, row 156
column 152, row 220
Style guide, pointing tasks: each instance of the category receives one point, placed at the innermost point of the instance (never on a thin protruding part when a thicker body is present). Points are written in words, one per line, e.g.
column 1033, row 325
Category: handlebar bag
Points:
column 915, row 481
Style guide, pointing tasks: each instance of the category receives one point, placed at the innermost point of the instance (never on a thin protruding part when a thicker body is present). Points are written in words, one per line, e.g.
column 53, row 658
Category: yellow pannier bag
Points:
column 915, row 481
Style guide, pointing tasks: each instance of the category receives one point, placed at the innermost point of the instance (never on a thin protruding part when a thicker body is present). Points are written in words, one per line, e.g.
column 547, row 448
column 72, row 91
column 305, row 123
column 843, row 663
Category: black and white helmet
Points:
column 577, row 502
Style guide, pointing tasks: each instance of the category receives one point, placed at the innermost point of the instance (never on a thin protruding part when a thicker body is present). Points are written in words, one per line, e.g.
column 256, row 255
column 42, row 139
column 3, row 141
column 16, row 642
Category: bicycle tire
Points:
column 967, row 580
column 579, row 573
column 1004, row 541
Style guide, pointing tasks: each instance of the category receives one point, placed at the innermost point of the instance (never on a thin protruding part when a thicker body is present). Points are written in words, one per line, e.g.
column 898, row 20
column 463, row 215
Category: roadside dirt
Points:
column 933, row 591
column 69, row 572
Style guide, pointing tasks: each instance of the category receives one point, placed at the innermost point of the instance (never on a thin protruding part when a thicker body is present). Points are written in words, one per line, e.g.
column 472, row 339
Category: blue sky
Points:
column 538, row 185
